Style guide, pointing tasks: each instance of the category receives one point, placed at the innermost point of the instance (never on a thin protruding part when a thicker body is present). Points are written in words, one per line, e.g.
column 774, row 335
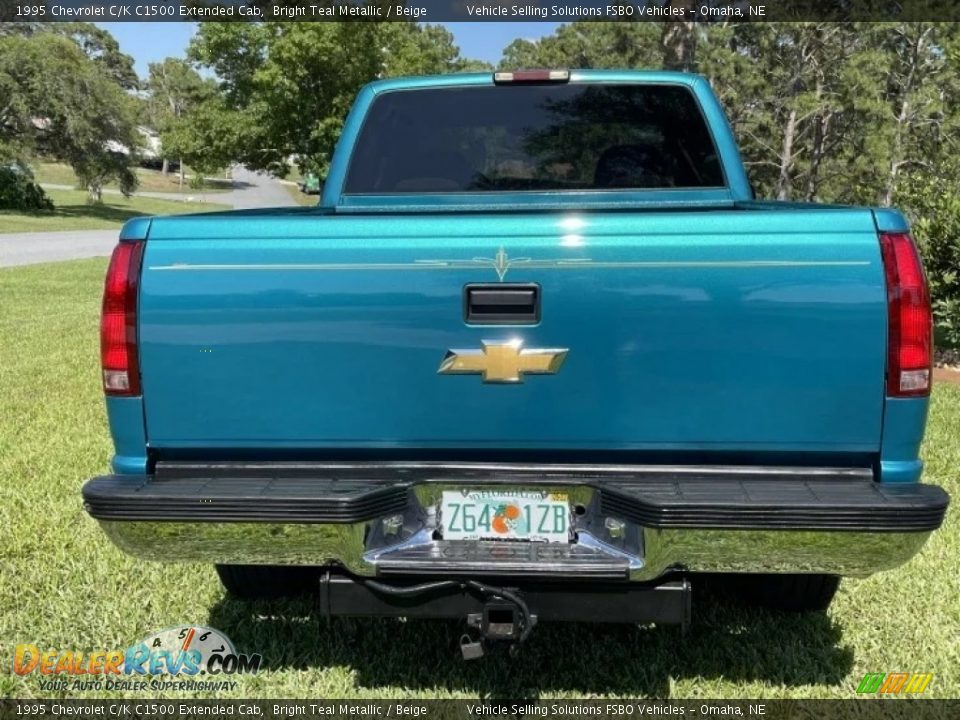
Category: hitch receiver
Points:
column 499, row 621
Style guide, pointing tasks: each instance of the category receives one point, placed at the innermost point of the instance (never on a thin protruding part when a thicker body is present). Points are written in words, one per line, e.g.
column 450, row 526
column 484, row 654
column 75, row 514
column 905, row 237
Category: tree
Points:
column 919, row 73
column 175, row 88
column 207, row 137
column 18, row 191
column 792, row 103
column 16, row 127
column 97, row 44
column 101, row 47
column 935, row 224
column 424, row 49
column 286, row 87
column 62, row 103
column 807, row 103
column 589, row 45
column 679, row 38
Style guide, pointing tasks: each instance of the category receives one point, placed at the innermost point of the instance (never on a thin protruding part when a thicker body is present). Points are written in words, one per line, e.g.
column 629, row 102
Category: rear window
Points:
column 533, row 138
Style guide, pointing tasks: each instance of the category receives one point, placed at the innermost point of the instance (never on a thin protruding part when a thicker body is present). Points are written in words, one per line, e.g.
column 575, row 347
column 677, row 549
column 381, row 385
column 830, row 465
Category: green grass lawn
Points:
column 63, row 585
column 72, row 212
column 150, row 180
column 294, row 175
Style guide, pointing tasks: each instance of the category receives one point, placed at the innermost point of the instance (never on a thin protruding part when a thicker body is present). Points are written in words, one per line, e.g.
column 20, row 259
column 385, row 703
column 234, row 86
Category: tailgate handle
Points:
column 501, row 304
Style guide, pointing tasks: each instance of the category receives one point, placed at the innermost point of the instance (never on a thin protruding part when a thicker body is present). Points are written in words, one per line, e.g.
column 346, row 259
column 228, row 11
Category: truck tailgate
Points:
column 738, row 329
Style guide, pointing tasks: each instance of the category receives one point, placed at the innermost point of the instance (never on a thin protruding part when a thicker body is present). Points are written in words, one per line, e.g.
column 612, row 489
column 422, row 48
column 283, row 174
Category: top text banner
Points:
column 477, row 10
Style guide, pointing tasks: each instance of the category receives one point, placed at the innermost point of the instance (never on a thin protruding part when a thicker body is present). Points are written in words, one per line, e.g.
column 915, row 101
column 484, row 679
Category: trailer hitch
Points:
column 505, row 619
column 502, row 623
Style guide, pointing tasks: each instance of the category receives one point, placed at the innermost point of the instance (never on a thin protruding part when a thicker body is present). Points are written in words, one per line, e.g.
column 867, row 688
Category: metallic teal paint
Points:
column 730, row 330
column 125, row 415
column 903, row 422
column 890, row 220
column 136, row 229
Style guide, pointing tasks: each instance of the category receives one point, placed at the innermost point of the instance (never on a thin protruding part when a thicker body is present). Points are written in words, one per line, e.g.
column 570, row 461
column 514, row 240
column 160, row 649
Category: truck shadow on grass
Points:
column 732, row 644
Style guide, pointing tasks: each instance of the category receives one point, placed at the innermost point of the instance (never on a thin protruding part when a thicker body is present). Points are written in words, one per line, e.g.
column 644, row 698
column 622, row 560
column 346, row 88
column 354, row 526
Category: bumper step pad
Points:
column 780, row 504
column 242, row 499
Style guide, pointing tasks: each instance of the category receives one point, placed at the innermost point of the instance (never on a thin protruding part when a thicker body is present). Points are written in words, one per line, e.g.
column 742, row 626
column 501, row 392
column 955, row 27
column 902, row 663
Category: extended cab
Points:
column 538, row 354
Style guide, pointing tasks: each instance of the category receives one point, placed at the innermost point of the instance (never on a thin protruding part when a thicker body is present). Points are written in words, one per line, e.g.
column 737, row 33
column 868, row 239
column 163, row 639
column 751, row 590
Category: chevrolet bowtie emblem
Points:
column 503, row 362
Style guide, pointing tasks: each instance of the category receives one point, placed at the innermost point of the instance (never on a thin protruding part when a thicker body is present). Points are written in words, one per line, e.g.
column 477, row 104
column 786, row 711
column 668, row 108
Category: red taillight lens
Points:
column 909, row 324
column 118, row 324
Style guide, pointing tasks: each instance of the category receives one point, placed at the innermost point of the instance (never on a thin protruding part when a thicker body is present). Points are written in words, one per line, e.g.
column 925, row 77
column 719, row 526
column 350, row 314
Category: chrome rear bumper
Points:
column 630, row 523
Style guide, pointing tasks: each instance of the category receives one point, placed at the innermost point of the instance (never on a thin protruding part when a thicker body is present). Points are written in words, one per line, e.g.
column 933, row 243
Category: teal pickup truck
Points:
column 538, row 354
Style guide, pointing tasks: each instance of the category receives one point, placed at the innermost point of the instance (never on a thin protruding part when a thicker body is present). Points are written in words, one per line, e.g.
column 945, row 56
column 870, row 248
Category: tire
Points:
column 268, row 582
column 788, row 593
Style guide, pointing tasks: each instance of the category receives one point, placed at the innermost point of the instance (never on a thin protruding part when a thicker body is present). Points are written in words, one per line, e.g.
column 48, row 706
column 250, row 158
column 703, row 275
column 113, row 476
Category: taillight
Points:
column 118, row 324
column 909, row 320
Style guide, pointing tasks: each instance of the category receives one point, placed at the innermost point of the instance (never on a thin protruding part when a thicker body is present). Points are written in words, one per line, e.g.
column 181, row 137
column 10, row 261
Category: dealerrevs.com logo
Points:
column 186, row 653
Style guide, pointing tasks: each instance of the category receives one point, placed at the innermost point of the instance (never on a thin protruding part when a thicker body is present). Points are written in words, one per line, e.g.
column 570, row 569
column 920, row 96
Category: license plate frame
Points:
column 511, row 516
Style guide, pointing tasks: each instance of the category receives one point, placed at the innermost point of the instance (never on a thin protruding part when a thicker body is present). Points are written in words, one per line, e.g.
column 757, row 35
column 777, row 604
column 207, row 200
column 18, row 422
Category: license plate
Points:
column 482, row 515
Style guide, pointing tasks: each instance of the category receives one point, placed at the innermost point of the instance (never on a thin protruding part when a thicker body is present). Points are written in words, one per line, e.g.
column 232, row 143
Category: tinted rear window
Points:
column 536, row 138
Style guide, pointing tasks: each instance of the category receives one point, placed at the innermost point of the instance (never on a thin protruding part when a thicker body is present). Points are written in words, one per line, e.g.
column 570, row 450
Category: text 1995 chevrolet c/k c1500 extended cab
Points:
column 537, row 355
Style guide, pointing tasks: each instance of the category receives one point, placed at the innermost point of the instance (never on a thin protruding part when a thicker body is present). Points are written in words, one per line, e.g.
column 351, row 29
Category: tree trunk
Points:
column 679, row 40
column 820, row 122
column 166, row 167
column 895, row 151
column 95, row 193
column 903, row 116
column 820, row 125
column 786, row 157
column 181, row 174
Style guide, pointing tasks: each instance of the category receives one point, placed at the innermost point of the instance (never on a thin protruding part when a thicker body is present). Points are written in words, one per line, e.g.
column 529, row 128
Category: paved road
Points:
column 29, row 248
column 252, row 190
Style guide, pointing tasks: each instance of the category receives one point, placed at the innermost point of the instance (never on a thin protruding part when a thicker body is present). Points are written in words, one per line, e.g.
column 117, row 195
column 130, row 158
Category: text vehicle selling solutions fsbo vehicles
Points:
column 537, row 355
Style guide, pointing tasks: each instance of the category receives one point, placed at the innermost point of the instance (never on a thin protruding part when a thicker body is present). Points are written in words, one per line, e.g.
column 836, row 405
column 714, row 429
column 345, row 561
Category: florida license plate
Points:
column 482, row 515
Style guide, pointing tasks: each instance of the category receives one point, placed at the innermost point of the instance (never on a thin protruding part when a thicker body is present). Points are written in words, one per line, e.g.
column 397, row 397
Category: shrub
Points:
column 18, row 191
column 935, row 217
